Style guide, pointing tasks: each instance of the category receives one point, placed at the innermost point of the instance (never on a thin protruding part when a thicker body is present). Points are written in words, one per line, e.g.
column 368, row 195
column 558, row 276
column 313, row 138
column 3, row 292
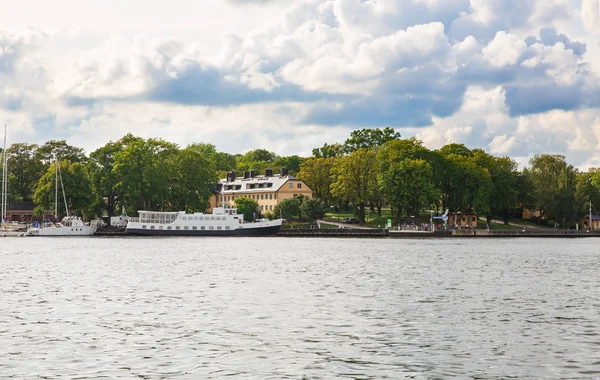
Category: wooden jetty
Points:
column 334, row 232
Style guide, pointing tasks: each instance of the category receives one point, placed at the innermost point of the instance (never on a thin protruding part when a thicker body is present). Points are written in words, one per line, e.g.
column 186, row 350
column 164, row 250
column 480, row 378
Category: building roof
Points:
column 257, row 184
column 22, row 206
column 594, row 217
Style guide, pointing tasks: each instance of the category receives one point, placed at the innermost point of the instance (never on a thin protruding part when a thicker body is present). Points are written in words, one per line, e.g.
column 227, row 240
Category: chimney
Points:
column 268, row 172
column 284, row 172
column 246, row 174
column 230, row 176
column 252, row 173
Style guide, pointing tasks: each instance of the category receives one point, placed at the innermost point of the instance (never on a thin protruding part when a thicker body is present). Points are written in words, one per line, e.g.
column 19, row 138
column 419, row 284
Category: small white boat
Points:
column 222, row 222
column 69, row 226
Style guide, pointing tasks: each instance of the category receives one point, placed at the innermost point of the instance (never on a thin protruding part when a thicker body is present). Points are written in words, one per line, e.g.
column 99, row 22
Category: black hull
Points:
column 259, row 231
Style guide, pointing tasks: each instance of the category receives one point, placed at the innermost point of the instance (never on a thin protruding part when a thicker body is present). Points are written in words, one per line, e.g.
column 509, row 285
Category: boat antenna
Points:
column 62, row 186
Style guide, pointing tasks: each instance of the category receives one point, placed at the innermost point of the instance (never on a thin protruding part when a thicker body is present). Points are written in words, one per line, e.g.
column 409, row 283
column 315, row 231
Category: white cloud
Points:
column 295, row 76
column 504, row 50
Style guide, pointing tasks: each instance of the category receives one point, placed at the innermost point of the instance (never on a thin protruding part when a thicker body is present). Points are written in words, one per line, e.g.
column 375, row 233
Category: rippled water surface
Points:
column 198, row 308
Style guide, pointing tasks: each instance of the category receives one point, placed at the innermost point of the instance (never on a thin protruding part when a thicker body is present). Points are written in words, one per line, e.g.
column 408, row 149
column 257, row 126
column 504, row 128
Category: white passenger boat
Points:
column 222, row 222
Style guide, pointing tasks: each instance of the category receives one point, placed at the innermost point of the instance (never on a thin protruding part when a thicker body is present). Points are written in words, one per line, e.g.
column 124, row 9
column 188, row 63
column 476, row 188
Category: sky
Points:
column 514, row 77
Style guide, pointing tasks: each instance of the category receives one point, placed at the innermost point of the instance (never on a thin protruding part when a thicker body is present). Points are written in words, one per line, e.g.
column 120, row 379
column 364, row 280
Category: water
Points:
column 200, row 308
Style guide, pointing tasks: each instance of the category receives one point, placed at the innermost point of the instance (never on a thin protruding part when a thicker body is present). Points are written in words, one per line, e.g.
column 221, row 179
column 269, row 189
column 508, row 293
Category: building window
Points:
column 271, row 207
column 299, row 185
column 290, row 185
column 262, row 196
column 270, row 196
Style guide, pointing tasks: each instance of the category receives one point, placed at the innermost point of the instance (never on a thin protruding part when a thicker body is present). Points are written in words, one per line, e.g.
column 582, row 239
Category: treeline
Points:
column 373, row 168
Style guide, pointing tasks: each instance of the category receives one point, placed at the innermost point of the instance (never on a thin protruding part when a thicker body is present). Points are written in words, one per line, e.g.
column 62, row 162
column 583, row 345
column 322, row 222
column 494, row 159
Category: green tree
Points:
column 328, row 151
column 192, row 177
column 317, row 174
column 78, row 190
column 292, row 163
column 144, row 172
column 24, row 169
column 554, row 187
column 248, row 207
column 288, row 209
column 369, row 138
column 408, row 185
column 59, row 149
column 101, row 168
column 586, row 192
column 504, row 183
column 356, row 176
column 312, row 209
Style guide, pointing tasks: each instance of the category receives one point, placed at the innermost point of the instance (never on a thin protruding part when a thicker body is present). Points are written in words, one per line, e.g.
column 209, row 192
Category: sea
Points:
column 299, row 308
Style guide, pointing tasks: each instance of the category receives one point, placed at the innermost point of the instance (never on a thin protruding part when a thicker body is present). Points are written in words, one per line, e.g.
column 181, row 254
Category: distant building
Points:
column 23, row 212
column 529, row 214
column 266, row 189
column 584, row 222
column 460, row 219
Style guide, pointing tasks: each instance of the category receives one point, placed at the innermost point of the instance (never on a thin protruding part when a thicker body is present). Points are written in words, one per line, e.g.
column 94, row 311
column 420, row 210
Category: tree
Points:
column 408, row 185
column 24, row 169
column 369, row 138
column 143, row 171
column 312, row 209
column 101, row 168
column 469, row 186
column 503, row 175
column 292, row 163
column 288, row 209
column 78, row 190
column 192, row 177
column 316, row 173
column 59, row 149
column 554, row 187
column 248, row 207
column 586, row 192
column 356, row 178
column 328, row 151
column 456, row 149
column 259, row 155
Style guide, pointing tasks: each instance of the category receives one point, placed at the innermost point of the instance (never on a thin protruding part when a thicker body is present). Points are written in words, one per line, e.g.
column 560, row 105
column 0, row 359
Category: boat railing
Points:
column 133, row 219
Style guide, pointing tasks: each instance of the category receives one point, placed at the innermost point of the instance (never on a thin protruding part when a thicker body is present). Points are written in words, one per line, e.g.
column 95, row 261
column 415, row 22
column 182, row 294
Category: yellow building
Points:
column 462, row 220
column 584, row 222
column 267, row 189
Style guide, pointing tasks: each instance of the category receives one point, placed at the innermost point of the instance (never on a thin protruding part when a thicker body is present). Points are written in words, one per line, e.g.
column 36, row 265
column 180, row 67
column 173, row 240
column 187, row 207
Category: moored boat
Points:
column 222, row 222
column 69, row 226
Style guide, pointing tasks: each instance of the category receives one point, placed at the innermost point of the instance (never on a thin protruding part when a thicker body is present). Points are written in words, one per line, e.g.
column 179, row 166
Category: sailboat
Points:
column 6, row 228
column 70, row 225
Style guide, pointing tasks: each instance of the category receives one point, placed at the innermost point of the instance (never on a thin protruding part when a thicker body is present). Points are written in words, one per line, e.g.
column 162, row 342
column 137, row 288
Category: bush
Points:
column 312, row 209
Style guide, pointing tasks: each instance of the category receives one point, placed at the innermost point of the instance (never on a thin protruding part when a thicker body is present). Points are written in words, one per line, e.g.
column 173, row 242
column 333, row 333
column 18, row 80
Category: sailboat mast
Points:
column 56, row 188
column 4, row 181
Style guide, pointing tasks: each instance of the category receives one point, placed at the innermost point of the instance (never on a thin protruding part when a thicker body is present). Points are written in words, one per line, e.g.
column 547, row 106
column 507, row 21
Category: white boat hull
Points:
column 63, row 231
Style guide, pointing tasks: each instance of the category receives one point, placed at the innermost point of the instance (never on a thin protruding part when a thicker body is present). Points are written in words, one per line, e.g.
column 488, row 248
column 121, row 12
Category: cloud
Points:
column 480, row 72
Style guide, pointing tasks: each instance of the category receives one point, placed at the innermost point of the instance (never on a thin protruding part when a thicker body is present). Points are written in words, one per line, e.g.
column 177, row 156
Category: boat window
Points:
column 211, row 228
column 202, row 228
column 227, row 227
column 195, row 218
column 151, row 227
column 168, row 228
column 144, row 226
column 219, row 228
column 186, row 228
column 194, row 228
column 200, row 218
column 177, row 228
